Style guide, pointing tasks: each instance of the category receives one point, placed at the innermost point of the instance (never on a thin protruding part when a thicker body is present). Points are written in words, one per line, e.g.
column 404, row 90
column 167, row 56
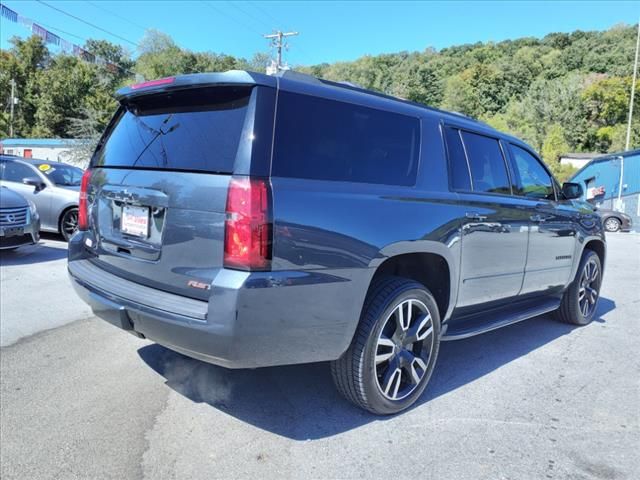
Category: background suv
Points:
column 249, row 220
column 53, row 187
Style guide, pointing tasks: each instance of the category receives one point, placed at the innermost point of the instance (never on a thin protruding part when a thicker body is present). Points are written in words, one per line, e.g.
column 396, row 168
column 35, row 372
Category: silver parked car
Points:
column 19, row 220
column 54, row 187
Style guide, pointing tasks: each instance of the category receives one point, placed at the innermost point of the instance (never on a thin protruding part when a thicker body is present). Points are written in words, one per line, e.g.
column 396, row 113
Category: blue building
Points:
column 613, row 181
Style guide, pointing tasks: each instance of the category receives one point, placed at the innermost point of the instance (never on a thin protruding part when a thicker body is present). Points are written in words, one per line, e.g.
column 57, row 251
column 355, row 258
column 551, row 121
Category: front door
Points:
column 552, row 228
column 495, row 227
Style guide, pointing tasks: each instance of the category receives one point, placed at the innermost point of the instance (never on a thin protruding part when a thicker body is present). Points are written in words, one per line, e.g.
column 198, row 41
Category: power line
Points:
column 222, row 12
column 250, row 15
column 137, row 25
column 265, row 12
column 87, row 23
column 62, row 31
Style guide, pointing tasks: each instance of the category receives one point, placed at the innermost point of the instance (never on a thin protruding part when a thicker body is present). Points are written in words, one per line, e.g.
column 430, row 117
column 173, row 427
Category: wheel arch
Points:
column 426, row 262
column 597, row 246
column 62, row 213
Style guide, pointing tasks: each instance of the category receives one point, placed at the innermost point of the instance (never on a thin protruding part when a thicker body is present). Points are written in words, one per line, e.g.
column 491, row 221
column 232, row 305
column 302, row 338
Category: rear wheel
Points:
column 612, row 224
column 394, row 350
column 580, row 301
column 69, row 223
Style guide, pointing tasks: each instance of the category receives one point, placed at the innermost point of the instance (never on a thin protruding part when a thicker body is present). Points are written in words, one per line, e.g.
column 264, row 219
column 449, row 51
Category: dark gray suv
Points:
column 250, row 220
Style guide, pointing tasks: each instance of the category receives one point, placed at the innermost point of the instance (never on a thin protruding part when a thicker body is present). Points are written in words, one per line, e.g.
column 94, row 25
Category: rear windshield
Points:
column 328, row 140
column 192, row 130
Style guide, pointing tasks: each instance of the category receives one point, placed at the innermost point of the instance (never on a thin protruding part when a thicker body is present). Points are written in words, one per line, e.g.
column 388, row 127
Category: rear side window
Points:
column 488, row 169
column 16, row 172
column 193, row 130
column 458, row 167
column 327, row 140
column 534, row 182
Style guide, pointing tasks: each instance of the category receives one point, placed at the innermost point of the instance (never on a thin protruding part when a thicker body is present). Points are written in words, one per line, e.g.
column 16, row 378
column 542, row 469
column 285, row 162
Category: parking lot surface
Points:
column 540, row 399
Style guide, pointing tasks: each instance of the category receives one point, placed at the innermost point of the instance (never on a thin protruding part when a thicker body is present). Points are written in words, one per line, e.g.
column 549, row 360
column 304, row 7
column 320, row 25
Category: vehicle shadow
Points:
column 50, row 248
column 300, row 401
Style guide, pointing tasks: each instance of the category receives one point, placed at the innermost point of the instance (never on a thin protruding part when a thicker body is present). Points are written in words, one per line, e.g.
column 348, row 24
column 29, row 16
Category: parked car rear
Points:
column 250, row 220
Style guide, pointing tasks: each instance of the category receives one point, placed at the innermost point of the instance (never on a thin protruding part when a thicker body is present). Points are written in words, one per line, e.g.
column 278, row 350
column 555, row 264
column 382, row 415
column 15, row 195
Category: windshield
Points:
column 61, row 174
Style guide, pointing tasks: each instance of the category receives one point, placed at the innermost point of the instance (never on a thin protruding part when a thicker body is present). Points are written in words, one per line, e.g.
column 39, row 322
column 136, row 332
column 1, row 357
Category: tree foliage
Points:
column 564, row 92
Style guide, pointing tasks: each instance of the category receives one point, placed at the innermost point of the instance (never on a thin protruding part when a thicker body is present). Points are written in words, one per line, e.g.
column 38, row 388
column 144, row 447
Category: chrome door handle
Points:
column 475, row 216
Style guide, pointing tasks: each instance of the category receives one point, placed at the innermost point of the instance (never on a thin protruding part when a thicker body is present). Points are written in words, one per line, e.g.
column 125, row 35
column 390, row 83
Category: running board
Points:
column 476, row 324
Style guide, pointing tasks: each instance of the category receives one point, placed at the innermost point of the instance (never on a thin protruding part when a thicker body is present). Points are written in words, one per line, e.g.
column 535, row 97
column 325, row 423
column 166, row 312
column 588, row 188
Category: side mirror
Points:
column 35, row 182
column 571, row 190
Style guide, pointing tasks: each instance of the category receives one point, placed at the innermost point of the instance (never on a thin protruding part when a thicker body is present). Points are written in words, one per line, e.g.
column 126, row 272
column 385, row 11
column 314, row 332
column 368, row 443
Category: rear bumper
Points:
column 251, row 319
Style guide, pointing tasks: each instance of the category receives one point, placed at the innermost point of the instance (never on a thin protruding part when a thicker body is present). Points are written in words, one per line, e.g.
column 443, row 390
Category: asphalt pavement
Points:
column 82, row 399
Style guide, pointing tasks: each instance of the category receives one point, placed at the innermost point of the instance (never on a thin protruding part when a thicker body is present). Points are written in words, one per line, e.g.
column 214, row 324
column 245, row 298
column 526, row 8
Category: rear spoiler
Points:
column 196, row 80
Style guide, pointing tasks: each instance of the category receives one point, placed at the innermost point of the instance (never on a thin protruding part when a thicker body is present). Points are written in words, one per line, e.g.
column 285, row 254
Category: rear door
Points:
column 159, row 183
column 495, row 227
column 552, row 240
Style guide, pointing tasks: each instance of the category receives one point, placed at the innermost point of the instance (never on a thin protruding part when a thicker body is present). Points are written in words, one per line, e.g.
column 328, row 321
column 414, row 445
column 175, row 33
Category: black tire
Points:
column 572, row 308
column 69, row 223
column 358, row 372
column 612, row 224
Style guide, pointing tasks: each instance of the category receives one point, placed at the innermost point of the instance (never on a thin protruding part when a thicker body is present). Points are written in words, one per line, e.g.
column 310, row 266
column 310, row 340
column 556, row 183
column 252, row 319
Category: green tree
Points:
column 23, row 64
column 554, row 146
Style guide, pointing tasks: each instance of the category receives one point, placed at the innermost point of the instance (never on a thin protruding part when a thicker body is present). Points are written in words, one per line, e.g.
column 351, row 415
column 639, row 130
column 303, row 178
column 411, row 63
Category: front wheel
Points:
column 612, row 224
column 69, row 223
column 394, row 350
column 580, row 300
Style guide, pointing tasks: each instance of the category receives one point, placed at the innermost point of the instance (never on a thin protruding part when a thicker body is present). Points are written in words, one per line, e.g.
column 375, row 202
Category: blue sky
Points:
column 329, row 31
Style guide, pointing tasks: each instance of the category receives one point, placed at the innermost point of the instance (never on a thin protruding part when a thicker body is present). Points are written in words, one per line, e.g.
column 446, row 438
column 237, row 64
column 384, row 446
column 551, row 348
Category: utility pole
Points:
column 277, row 40
column 633, row 90
column 13, row 102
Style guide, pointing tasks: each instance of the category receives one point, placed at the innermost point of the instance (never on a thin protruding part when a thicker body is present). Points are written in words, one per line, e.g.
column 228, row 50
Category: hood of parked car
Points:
column 11, row 199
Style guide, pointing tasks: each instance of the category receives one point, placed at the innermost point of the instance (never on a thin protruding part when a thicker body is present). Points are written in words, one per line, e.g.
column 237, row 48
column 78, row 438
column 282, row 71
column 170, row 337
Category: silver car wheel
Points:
column 69, row 223
column 612, row 224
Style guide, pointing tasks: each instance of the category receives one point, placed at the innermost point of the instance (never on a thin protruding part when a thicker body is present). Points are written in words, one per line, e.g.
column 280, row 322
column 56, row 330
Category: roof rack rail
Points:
column 304, row 77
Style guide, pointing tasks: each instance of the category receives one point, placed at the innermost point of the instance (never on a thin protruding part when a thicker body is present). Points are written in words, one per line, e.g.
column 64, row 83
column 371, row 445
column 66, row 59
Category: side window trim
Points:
column 504, row 160
column 466, row 156
column 443, row 127
column 539, row 160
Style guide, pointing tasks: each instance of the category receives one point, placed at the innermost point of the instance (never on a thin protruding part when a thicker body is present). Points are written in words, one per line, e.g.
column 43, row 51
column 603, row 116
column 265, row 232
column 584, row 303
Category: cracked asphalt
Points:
column 81, row 399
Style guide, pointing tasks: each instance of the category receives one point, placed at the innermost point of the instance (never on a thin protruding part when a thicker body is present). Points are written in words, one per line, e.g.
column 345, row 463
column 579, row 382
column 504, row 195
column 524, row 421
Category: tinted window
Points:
column 488, row 170
column 534, row 180
column 196, row 129
column 327, row 140
column 459, row 169
column 16, row 172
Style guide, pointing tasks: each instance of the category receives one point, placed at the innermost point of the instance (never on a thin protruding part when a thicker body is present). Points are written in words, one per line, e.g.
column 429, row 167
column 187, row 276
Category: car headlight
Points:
column 32, row 209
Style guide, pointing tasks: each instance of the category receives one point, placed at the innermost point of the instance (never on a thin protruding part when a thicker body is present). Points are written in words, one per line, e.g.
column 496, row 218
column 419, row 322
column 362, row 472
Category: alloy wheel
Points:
column 70, row 223
column 589, row 288
column 403, row 350
column 612, row 225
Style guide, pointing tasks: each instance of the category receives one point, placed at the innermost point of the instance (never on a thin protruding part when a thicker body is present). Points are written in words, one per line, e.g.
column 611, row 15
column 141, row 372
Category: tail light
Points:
column 247, row 233
column 83, row 207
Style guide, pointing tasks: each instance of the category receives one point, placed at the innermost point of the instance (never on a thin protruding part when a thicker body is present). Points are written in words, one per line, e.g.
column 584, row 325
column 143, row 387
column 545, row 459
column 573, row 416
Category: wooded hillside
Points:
column 564, row 92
